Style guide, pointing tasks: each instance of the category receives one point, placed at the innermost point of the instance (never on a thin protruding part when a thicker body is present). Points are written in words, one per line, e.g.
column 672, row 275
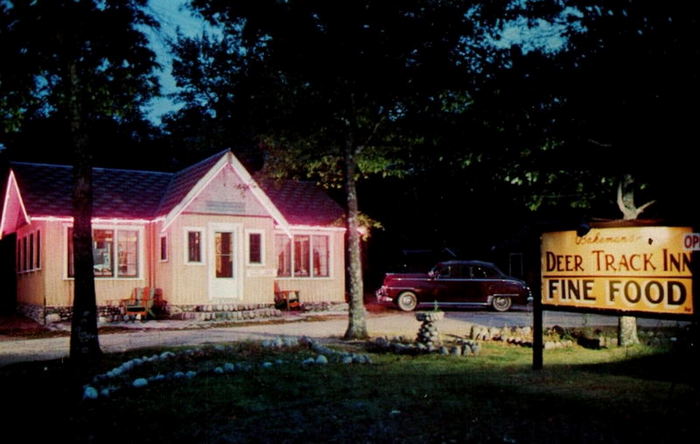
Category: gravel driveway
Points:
column 331, row 326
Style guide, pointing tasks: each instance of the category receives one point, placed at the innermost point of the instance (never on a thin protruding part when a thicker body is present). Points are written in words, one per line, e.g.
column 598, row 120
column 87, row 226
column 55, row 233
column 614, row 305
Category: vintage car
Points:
column 454, row 283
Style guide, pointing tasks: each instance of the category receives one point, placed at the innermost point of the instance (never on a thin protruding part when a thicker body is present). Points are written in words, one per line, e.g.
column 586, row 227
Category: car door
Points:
column 482, row 278
column 452, row 284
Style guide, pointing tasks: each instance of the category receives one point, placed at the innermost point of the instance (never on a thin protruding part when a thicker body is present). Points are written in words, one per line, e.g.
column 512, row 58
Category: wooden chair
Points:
column 288, row 299
column 139, row 304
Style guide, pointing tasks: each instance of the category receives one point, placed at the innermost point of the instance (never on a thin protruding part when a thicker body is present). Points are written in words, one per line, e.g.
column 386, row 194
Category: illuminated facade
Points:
column 208, row 235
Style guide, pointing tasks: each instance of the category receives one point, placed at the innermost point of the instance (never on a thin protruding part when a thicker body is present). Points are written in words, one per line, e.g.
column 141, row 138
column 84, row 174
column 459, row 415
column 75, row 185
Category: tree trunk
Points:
column 627, row 325
column 357, row 325
column 84, row 342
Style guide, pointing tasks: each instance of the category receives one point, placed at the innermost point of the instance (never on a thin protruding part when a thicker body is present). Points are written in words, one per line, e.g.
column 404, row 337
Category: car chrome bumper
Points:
column 382, row 297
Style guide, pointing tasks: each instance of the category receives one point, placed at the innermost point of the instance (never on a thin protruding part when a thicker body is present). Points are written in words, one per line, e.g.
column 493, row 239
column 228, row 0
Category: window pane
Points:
column 38, row 249
column 31, row 252
column 102, row 252
column 25, row 263
column 194, row 246
column 255, row 248
column 163, row 248
column 301, row 256
column 283, row 249
column 320, row 256
column 224, row 254
column 128, row 244
column 18, row 263
column 69, row 239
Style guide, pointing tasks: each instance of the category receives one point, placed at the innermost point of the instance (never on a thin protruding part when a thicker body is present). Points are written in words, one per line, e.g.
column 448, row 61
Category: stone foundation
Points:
column 204, row 312
column 222, row 312
column 55, row 314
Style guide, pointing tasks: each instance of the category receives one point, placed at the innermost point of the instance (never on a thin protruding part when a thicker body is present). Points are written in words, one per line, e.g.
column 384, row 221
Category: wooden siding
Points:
column 31, row 285
column 50, row 285
column 182, row 283
column 185, row 283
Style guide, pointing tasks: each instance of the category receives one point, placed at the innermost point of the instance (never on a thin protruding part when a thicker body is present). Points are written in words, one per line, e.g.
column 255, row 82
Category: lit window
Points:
column 320, row 256
column 309, row 256
column 223, row 242
column 128, row 252
column 301, row 256
column 104, row 254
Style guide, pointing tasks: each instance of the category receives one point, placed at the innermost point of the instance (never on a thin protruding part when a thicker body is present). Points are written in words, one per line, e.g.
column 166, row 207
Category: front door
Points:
column 226, row 251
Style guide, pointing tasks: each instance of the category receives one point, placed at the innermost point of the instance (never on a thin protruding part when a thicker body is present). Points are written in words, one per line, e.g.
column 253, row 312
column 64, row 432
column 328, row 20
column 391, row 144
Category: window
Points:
column 194, row 246
column 164, row 248
column 38, row 249
column 25, row 255
column 255, row 249
column 102, row 252
column 283, row 247
column 115, row 253
column 223, row 242
column 30, row 263
column 309, row 255
column 320, row 256
column 128, row 253
column 301, row 256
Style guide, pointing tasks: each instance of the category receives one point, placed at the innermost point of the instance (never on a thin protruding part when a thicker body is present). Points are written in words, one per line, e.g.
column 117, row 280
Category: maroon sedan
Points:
column 454, row 283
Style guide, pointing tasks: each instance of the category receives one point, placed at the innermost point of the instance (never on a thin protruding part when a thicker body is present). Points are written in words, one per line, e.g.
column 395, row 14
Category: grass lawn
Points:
column 639, row 394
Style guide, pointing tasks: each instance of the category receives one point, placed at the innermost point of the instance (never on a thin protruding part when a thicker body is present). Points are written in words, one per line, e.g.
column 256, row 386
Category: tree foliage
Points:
column 613, row 101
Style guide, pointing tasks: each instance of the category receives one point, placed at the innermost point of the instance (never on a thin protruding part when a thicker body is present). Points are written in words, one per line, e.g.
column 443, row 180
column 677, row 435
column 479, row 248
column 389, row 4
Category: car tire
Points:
column 501, row 303
column 407, row 301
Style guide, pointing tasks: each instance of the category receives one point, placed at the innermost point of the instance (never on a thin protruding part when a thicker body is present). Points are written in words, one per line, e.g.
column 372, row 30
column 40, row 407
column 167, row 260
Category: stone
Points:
column 140, row 382
column 53, row 318
column 90, row 393
column 321, row 360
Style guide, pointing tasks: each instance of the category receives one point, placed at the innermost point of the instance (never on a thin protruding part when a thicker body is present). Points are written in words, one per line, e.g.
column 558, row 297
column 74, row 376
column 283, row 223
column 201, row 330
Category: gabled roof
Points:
column 46, row 190
column 302, row 202
column 184, row 181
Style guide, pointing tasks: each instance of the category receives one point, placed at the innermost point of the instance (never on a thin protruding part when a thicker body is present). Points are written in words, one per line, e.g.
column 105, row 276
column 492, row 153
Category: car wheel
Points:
column 501, row 303
column 407, row 301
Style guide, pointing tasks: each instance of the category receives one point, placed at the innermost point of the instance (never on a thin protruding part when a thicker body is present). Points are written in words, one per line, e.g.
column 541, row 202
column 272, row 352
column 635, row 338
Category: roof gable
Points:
column 14, row 213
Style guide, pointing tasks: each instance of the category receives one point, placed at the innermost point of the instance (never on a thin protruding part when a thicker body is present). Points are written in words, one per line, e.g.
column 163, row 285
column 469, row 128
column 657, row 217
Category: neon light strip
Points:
column 12, row 182
column 315, row 228
column 95, row 220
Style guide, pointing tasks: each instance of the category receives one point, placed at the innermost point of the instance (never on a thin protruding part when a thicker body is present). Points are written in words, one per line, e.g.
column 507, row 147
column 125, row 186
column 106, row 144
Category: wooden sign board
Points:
column 635, row 269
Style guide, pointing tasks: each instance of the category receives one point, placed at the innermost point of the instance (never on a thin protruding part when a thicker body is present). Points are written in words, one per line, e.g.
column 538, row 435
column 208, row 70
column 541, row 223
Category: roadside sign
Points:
column 691, row 241
column 635, row 269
